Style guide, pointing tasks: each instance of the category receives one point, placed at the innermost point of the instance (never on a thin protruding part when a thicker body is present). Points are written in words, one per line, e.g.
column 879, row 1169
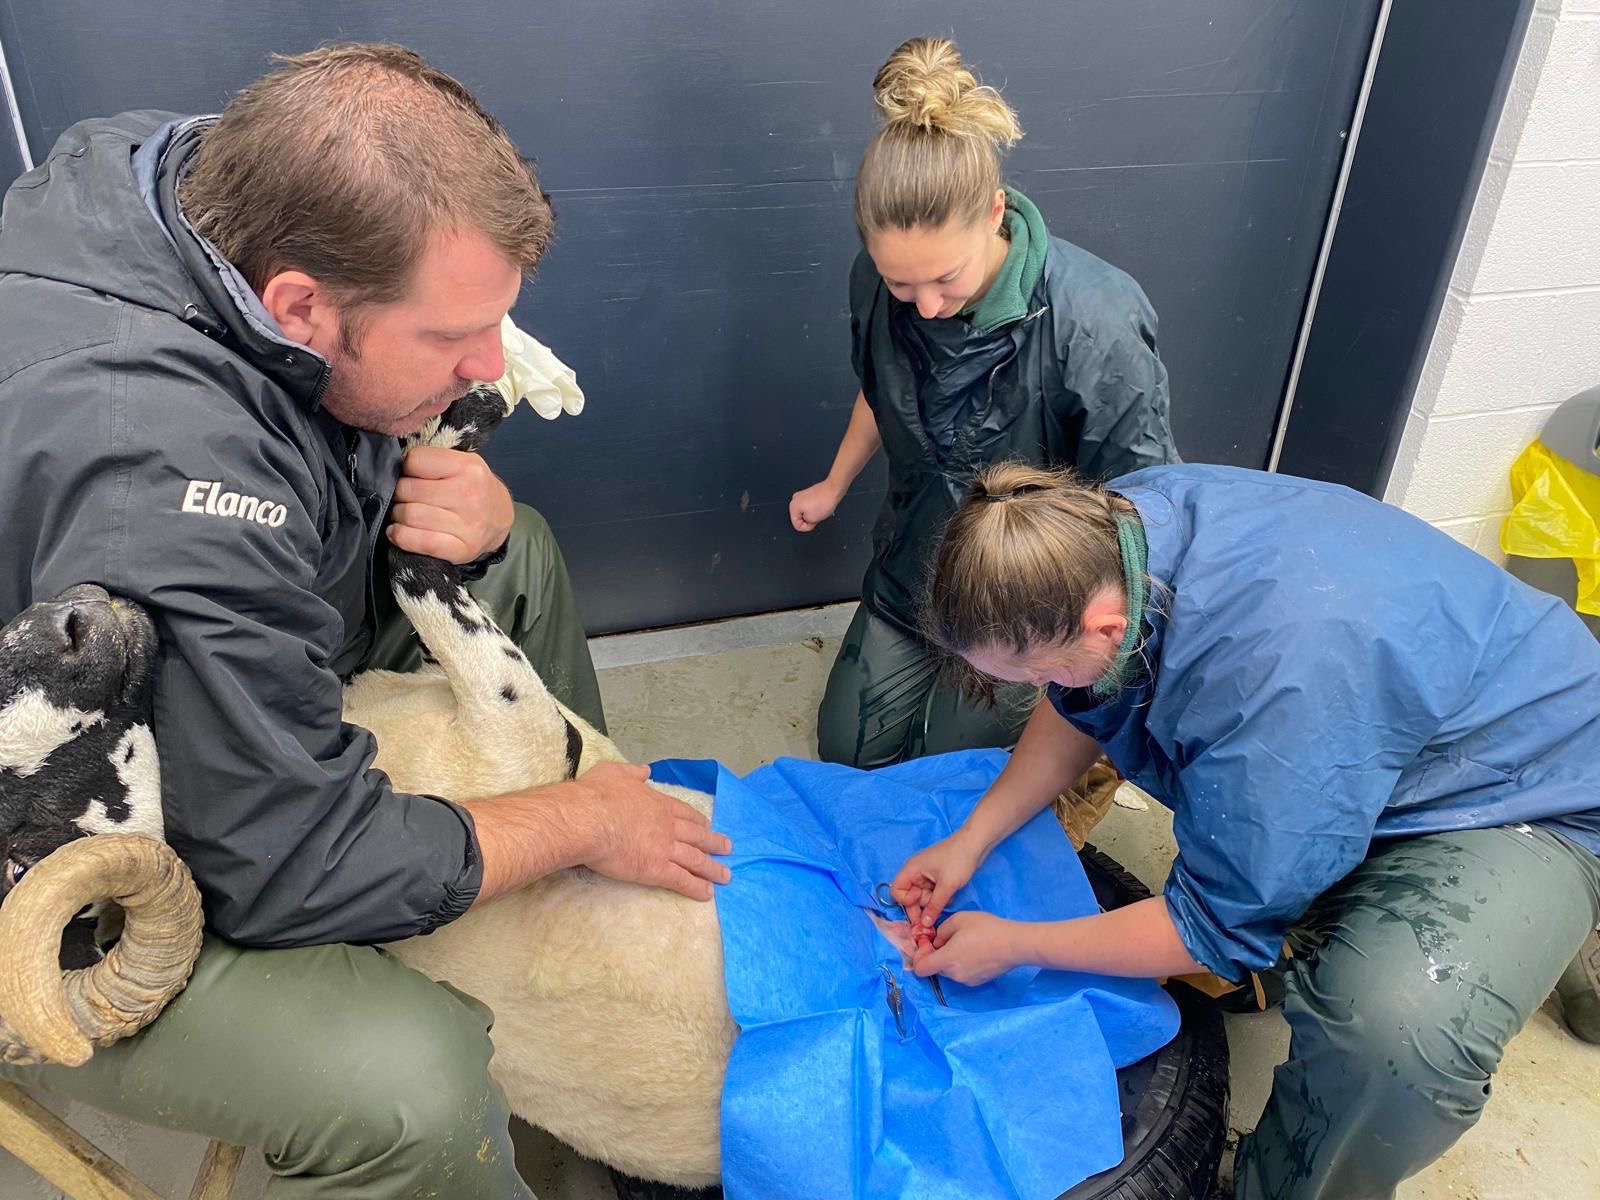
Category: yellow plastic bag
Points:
column 1556, row 514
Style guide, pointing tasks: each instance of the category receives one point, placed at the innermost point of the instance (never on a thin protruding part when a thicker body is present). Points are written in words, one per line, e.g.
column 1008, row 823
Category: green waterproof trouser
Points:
column 888, row 699
column 357, row 1077
column 1406, row 981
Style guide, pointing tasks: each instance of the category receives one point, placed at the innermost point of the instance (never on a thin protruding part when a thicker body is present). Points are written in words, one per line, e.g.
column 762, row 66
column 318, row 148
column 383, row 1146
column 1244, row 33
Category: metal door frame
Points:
column 12, row 131
column 1426, row 118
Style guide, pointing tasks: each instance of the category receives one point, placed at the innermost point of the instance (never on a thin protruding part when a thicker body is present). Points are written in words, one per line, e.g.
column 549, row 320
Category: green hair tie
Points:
column 1135, row 564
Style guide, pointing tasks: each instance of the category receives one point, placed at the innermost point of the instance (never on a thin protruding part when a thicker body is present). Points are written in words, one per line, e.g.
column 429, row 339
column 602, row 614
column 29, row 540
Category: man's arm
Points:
column 269, row 795
column 609, row 820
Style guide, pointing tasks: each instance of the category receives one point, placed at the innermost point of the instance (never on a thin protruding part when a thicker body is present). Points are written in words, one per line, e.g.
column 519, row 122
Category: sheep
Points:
column 612, row 1028
column 78, row 758
column 75, row 669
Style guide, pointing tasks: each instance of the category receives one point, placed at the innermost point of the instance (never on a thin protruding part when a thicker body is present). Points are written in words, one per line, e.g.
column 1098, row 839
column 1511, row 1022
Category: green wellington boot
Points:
column 1579, row 989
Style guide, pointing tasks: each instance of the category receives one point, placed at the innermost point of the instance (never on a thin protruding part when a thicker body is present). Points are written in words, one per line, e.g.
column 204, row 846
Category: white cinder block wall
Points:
column 1520, row 327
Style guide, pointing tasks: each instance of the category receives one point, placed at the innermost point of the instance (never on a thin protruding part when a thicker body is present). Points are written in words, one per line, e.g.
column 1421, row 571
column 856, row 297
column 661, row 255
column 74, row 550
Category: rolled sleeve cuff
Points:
column 479, row 567
column 1208, row 941
column 459, row 893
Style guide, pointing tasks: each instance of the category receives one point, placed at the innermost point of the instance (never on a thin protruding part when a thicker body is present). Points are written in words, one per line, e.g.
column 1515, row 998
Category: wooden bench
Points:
column 67, row 1159
column 161, row 909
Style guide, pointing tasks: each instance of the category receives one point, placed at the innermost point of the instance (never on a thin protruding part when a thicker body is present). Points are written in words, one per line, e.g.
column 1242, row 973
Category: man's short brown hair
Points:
column 342, row 162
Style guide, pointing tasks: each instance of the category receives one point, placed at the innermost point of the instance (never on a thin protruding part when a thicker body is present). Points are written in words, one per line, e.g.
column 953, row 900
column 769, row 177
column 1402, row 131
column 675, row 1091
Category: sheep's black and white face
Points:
column 76, row 752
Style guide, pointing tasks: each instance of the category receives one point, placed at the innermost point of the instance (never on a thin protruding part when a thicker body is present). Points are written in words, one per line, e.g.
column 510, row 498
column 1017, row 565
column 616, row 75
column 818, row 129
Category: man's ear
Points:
column 303, row 309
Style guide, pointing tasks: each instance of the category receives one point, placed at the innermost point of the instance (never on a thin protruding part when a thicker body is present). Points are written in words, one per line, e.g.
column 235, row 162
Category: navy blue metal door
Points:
column 701, row 154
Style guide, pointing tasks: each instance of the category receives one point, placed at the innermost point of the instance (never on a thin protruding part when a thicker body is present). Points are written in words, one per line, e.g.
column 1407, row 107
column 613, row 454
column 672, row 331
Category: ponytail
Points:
column 1021, row 559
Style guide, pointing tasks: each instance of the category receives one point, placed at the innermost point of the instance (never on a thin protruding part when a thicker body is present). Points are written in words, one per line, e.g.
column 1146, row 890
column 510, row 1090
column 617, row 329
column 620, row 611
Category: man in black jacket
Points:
column 212, row 331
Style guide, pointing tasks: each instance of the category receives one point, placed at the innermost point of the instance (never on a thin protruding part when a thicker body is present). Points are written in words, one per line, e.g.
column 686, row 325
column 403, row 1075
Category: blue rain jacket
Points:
column 1323, row 670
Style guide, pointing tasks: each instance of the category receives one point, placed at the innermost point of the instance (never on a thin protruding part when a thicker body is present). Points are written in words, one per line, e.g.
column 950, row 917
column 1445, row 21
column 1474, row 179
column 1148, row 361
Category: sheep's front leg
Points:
column 504, row 712
column 497, row 692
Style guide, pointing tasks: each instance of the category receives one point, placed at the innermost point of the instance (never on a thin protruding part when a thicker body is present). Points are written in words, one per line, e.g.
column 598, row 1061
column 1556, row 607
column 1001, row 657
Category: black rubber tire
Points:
column 1174, row 1102
column 629, row 1188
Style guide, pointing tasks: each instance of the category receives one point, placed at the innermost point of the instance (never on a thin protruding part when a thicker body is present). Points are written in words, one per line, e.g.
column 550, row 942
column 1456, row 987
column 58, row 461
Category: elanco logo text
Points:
column 207, row 496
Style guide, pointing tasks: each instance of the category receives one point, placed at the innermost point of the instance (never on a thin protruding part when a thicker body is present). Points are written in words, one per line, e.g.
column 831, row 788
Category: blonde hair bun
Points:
column 925, row 85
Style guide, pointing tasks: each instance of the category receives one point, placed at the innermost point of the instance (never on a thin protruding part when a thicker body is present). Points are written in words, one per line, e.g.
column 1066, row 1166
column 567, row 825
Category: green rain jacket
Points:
column 1073, row 382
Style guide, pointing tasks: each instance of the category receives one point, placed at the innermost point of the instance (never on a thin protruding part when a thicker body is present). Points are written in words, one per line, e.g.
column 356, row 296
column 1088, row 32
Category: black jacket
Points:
column 1076, row 383
column 158, row 436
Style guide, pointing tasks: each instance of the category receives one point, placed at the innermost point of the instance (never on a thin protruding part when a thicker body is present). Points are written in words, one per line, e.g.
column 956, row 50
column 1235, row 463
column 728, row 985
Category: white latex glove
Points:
column 537, row 376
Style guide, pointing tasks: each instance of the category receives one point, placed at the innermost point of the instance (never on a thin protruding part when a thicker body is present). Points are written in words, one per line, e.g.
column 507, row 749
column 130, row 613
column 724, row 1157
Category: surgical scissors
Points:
column 886, row 900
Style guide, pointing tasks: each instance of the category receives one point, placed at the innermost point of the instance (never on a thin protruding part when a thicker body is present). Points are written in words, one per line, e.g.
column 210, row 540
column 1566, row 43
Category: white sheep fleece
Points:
column 611, row 1027
column 32, row 729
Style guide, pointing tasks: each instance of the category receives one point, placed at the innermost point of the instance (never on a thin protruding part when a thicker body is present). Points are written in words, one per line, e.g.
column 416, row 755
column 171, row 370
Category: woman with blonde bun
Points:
column 977, row 337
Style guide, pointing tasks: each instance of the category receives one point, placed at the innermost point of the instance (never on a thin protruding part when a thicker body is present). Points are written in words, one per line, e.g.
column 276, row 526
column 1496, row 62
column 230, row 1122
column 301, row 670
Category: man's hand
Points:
column 646, row 836
column 449, row 505
column 971, row 948
column 814, row 505
column 930, row 877
column 610, row 820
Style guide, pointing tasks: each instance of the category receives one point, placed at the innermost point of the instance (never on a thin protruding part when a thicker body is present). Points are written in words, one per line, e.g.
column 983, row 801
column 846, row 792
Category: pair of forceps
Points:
column 882, row 895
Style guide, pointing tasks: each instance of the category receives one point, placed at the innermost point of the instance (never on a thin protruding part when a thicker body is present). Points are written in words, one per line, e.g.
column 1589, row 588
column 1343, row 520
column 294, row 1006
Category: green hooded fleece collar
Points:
column 1007, row 298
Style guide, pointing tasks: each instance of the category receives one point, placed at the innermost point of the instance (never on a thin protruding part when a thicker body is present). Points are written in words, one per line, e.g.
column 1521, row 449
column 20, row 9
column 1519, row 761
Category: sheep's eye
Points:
column 13, row 872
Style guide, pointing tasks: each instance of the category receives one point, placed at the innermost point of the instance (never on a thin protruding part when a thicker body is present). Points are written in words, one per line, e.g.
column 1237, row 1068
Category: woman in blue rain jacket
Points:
column 1382, row 754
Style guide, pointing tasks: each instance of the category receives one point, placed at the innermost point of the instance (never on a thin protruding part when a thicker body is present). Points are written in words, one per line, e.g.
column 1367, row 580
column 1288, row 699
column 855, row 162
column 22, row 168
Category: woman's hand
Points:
column 930, row 877
column 972, row 948
column 814, row 505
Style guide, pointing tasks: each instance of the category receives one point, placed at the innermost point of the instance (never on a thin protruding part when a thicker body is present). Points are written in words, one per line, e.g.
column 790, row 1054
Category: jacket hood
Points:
column 78, row 218
column 101, row 213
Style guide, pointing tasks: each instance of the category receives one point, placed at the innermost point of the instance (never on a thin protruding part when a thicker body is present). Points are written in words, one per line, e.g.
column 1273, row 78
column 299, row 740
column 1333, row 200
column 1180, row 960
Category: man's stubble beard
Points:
column 344, row 400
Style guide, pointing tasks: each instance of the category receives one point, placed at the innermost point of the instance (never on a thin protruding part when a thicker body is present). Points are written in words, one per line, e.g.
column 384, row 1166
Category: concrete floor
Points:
column 1540, row 1137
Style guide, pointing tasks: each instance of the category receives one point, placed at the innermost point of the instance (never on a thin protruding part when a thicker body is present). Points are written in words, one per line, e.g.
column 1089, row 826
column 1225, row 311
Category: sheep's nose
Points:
column 69, row 628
